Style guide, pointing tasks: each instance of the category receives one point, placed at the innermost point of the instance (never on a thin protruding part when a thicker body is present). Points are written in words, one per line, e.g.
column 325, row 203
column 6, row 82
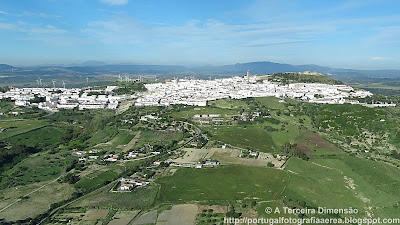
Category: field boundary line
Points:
column 18, row 200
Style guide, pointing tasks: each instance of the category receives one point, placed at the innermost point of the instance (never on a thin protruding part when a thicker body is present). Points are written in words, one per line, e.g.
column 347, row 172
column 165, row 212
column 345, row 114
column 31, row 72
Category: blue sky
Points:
column 362, row 34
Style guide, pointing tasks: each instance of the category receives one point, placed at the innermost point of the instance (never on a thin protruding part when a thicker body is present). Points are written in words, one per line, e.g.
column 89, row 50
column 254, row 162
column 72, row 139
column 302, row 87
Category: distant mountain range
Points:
column 93, row 68
column 5, row 67
column 236, row 69
column 259, row 68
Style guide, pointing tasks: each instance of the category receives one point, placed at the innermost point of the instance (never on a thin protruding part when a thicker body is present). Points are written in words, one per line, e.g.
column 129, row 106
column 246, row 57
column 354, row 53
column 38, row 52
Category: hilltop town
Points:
column 187, row 92
column 199, row 92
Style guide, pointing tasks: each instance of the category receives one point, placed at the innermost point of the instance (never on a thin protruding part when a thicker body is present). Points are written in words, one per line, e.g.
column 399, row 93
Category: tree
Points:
column 70, row 178
column 233, row 213
column 4, row 89
column 38, row 99
column 293, row 150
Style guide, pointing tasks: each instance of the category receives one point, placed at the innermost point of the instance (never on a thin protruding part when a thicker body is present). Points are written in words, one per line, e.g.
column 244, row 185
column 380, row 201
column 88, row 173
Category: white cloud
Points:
column 115, row 2
column 387, row 59
column 190, row 41
column 378, row 58
column 45, row 33
column 2, row 12
column 56, row 40
column 209, row 33
column 48, row 29
column 23, row 27
column 38, row 14
column 281, row 41
column 6, row 26
column 31, row 29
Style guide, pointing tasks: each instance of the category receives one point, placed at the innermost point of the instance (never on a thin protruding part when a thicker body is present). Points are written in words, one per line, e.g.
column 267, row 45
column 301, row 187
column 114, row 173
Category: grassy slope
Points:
column 36, row 168
column 18, row 127
column 325, row 182
column 315, row 184
column 227, row 183
column 36, row 203
column 320, row 182
column 150, row 136
column 122, row 138
column 253, row 137
column 91, row 183
column 45, row 135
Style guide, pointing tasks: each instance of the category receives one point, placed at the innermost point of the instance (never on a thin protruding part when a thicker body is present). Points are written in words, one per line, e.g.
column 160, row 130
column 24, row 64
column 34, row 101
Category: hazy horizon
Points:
column 339, row 34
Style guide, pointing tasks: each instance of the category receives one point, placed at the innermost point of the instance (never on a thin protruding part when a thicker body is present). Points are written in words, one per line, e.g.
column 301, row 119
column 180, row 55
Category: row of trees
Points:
column 293, row 150
column 376, row 99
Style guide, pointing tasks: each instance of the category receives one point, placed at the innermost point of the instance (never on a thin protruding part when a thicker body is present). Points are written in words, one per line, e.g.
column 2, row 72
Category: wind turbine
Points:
column 87, row 81
column 37, row 81
column 40, row 81
column 63, row 84
column 119, row 77
column 54, row 84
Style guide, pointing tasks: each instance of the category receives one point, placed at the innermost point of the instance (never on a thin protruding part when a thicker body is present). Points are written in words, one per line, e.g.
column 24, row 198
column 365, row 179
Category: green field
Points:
column 223, row 184
column 271, row 102
column 6, row 107
column 45, row 136
column 344, row 182
column 102, row 136
column 122, row 138
column 229, row 104
column 255, row 135
column 149, row 136
column 36, row 168
column 18, row 127
column 252, row 137
column 92, row 182
column 290, row 133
